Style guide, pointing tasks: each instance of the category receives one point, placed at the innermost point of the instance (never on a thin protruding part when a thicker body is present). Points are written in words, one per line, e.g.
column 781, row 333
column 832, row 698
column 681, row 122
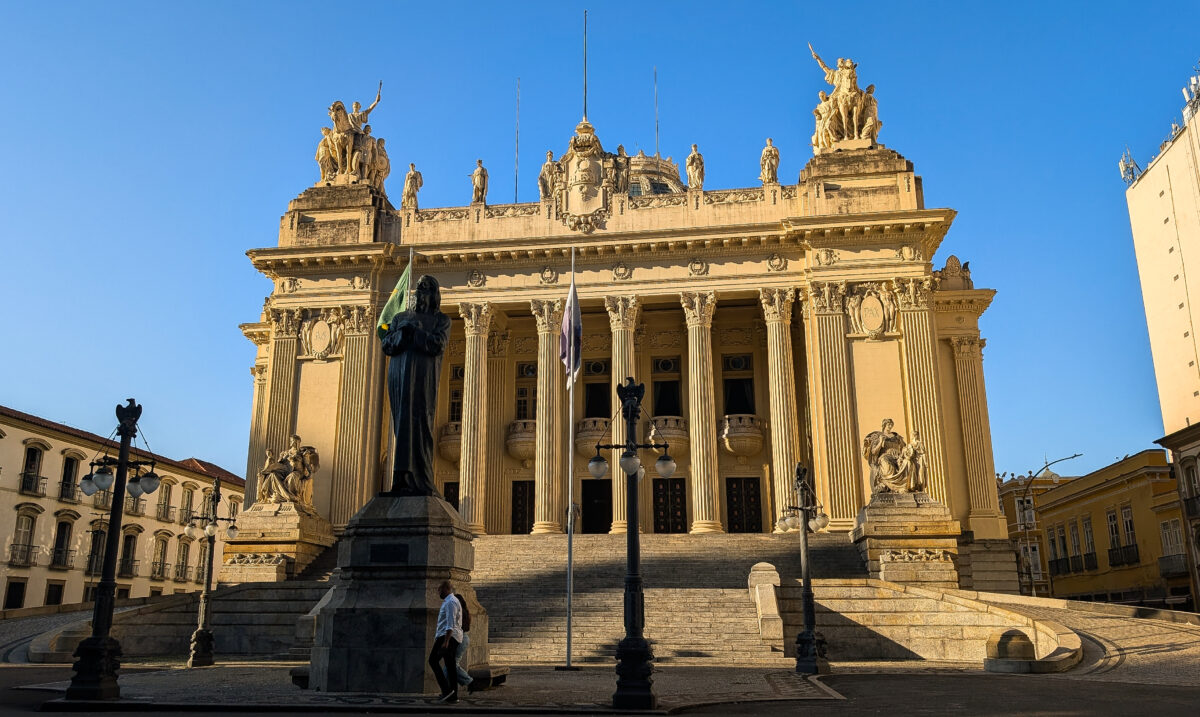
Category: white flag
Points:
column 571, row 338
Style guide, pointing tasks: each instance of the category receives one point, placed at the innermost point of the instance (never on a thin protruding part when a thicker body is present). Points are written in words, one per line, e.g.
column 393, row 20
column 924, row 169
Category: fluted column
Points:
column 499, row 393
column 838, row 465
column 698, row 308
column 785, row 426
column 357, row 425
column 258, row 422
column 282, row 381
column 921, row 378
column 973, row 412
column 472, row 488
column 548, row 471
column 623, row 314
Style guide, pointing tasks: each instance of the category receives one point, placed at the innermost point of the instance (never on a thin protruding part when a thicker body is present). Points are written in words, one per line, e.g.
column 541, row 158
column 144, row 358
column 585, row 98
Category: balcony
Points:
column 1077, row 563
column 521, row 441
column 741, row 434
column 103, row 500
column 450, row 441
column 33, row 484
column 674, row 431
column 200, row 574
column 182, row 573
column 23, row 556
column 134, row 506
column 185, row 515
column 1173, row 566
column 1060, row 566
column 68, row 492
column 1191, row 506
column 589, row 432
column 1123, row 555
column 62, row 559
column 159, row 571
column 127, row 568
column 1090, row 562
column 165, row 513
column 95, row 564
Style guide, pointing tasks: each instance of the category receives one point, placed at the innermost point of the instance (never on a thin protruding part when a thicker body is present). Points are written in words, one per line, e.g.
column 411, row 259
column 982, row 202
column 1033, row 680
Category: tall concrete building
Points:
column 1164, row 213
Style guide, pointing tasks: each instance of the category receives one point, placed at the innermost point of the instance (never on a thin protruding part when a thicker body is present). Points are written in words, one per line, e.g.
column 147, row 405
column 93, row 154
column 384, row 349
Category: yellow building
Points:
column 1184, row 445
column 54, row 534
column 1116, row 535
column 1164, row 213
column 1017, row 500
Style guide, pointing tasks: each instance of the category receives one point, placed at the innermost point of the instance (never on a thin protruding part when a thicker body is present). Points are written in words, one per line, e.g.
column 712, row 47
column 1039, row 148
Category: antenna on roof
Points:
column 585, row 65
column 517, row 145
column 656, row 110
column 1130, row 170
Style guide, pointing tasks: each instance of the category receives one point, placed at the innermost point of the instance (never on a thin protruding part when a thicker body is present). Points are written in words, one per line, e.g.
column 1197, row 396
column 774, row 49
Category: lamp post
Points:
column 99, row 655
column 808, row 516
column 1025, row 523
column 634, row 686
column 202, row 639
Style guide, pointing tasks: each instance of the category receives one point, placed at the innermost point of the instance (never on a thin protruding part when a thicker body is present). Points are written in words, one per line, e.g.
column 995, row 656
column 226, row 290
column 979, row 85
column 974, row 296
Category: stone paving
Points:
column 16, row 633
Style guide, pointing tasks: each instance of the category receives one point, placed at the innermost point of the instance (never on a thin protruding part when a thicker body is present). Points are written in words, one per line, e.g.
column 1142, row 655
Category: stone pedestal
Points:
column 275, row 541
column 376, row 628
column 908, row 538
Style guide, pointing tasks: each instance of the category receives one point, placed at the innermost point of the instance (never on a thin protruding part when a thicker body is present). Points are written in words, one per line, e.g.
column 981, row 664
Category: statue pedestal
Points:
column 378, row 623
column 908, row 538
column 275, row 541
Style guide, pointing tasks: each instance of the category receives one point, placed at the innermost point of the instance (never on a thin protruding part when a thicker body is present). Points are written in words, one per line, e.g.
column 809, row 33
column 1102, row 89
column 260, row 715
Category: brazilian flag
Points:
column 396, row 303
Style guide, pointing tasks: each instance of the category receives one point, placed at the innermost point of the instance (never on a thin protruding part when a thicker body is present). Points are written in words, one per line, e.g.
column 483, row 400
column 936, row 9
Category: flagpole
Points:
column 571, row 473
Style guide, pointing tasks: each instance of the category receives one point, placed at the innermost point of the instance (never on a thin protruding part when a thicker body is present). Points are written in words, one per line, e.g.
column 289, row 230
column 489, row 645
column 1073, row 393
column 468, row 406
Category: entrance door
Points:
column 743, row 505
column 670, row 506
column 597, row 505
column 522, row 507
column 14, row 595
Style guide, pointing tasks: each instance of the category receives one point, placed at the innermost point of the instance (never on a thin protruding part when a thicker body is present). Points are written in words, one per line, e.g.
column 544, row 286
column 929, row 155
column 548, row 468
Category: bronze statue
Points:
column 415, row 341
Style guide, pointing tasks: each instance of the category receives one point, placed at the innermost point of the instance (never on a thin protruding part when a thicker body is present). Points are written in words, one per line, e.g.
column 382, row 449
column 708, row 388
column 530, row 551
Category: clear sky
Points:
column 149, row 145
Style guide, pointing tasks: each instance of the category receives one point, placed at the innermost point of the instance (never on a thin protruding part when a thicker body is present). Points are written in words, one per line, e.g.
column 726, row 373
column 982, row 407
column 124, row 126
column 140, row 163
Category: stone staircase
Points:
column 321, row 568
column 698, row 609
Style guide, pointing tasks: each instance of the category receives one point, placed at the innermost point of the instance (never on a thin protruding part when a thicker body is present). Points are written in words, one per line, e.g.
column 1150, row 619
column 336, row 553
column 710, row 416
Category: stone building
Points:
column 1017, row 499
column 771, row 324
column 1116, row 535
column 54, row 542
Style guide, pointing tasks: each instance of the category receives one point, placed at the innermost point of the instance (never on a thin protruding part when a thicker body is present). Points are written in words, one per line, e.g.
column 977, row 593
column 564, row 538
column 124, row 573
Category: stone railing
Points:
column 734, row 196
column 741, row 434
column 673, row 430
column 450, row 441
column 589, row 432
column 521, row 441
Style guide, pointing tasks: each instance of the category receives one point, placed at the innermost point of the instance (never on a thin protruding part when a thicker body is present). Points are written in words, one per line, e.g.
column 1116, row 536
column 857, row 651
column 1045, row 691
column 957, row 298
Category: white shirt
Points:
column 450, row 618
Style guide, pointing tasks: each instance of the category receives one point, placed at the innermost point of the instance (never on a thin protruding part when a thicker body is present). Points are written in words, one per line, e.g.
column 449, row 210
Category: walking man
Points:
column 445, row 645
column 464, row 677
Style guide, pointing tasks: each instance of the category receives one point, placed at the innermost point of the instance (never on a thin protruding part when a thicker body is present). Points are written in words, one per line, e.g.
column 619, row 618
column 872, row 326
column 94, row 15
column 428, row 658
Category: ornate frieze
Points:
column 913, row 292
column 909, row 253
column 321, row 333
column 287, row 285
column 738, row 336
column 653, row 201
column 918, row 555
column 777, row 304
column 497, row 344
column 698, row 307
column 623, row 312
column 733, row 196
column 596, row 343
column 665, row 339
column 477, row 318
column 524, row 345
column 513, row 210
column 871, row 310
column 360, row 319
column 441, row 215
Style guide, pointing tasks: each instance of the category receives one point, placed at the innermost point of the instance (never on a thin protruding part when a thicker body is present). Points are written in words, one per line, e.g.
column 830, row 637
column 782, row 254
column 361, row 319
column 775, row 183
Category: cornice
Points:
column 972, row 301
column 927, row 226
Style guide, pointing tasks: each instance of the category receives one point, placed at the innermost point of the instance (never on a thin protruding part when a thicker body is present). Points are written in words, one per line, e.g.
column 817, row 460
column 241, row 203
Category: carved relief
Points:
column 827, row 296
column 547, row 313
column 826, row 257
column 871, row 310
column 698, row 307
column 288, row 285
column 477, row 318
column 788, row 191
column 917, row 555
column 586, row 181
column 475, row 278
column 497, row 344
column 955, row 275
column 622, row 312
column 909, row 253
column 596, row 343
column 733, row 196
column 697, row 267
column 548, row 275
column 338, row 231
column 736, row 337
column 456, row 347
column 775, row 262
column 665, row 339
column 285, row 322
column 777, row 304
column 653, row 201
column 439, row 215
column 621, row 271
column 967, row 346
column 524, row 345
column 321, row 333
column 360, row 319
column 513, row 210
column 913, row 292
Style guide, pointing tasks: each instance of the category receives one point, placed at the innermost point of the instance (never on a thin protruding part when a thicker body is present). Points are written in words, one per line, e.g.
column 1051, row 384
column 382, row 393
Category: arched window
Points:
column 33, row 459
column 182, row 555
column 62, row 556
column 95, row 561
column 67, row 489
column 165, row 511
column 32, row 482
column 158, row 568
column 185, row 505
column 128, row 566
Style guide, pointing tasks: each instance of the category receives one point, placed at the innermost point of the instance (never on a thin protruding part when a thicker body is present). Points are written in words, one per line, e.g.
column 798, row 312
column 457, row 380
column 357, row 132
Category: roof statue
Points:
column 590, row 177
column 347, row 152
column 849, row 116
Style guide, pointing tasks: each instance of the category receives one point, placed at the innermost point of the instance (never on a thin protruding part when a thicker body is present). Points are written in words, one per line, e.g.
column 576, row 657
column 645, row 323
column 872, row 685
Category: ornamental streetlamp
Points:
column 99, row 656
column 634, row 691
column 809, row 515
column 202, row 639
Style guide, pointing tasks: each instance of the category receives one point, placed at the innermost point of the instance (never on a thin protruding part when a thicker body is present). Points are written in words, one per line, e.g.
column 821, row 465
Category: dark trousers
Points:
column 441, row 659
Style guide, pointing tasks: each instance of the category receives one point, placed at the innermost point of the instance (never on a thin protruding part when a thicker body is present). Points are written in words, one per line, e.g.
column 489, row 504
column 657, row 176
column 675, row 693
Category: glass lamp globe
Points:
column 781, row 525
column 641, row 473
column 821, row 520
column 135, row 488
column 665, row 465
column 630, row 462
column 232, row 531
column 103, row 477
column 792, row 521
column 210, row 530
column 597, row 466
column 88, row 486
column 150, row 482
column 192, row 532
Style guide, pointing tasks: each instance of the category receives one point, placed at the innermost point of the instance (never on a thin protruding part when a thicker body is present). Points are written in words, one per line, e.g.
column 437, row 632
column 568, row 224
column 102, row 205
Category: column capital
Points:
column 698, row 307
column 623, row 312
column 477, row 318
column 548, row 314
column 965, row 346
column 913, row 292
column 285, row 322
column 777, row 304
column 827, row 297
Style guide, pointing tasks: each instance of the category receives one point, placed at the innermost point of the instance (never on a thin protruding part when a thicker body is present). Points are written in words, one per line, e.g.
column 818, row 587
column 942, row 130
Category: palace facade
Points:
column 771, row 324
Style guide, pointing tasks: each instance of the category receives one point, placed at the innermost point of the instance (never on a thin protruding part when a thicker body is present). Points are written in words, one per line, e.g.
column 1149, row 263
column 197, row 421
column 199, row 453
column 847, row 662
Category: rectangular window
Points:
column 597, row 400
column 1172, row 537
column 1127, row 521
column 456, row 404
column 666, row 399
column 1089, row 542
column 1114, row 531
column 1035, row 562
column 526, row 402
column 738, row 380
column 1062, row 542
column 54, row 593
column 1050, row 544
column 1074, row 538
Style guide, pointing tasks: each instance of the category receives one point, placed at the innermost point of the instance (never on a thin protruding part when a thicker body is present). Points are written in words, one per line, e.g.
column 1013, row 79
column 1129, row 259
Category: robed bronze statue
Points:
column 415, row 341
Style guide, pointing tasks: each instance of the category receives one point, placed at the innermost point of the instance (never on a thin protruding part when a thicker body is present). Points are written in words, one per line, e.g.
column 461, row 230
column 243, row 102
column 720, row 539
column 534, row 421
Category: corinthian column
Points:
column 698, row 307
column 477, row 319
column 548, row 472
column 499, row 391
column 920, row 366
column 351, row 484
column 785, row 427
column 972, row 408
column 623, row 314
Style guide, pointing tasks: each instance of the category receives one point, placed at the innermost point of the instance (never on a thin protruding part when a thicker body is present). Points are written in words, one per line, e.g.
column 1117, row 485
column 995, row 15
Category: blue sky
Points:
column 149, row 145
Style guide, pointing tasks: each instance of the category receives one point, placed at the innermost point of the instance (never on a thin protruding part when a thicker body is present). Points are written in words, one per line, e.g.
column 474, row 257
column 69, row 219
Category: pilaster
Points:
column 977, row 443
column 785, row 428
column 285, row 332
column 921, row 378
column 623, row 312
column 477, row 320
column 499, row 392
column 698, row 308
column 350, row 486
column 549, row 470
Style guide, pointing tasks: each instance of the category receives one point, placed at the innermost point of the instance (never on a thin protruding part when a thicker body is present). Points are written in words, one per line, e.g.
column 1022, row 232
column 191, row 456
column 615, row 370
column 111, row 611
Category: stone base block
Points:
column 988, row 566
column 908, row 538
column 378, row 623
column 275, row 541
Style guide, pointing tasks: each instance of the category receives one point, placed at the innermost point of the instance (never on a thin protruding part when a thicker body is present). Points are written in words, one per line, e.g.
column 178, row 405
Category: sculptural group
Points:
column 349, row 151
column 850, row 113
column 287, row 478
column 896, row 466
